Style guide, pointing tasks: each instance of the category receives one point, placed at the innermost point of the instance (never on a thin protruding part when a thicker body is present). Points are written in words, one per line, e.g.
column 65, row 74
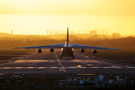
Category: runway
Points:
column 50, row 63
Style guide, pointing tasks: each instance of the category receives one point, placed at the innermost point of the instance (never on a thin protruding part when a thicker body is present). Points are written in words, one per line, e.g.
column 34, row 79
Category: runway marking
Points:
column 72, row 67
column 82, row 67
column 18, row 67
column 41, row 67
column 130, row 67
column 26, row 56
column 85, row 56
column 106, row 67
column 103, row 61
column 54, row 67
column 30, row 67
column 6, row 68
column 95, row 67
column 5, row 63
column 62, row 67
column 20, row 58
column 117, row 67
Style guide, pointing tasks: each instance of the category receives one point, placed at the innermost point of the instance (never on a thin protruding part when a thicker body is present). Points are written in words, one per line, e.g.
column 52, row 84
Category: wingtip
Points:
column 120, row 49
column 13, row 48
column 16, row 48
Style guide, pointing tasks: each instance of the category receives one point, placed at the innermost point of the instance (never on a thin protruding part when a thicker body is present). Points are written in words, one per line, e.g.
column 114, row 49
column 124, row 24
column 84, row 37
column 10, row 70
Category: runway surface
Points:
column 50, row 63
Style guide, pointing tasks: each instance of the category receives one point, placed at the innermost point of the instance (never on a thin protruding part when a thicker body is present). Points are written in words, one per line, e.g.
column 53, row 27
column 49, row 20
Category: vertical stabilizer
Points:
column 67, row 36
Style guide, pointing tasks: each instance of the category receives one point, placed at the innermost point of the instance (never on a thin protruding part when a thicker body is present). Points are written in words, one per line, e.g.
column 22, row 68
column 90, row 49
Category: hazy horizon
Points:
column 36, row 17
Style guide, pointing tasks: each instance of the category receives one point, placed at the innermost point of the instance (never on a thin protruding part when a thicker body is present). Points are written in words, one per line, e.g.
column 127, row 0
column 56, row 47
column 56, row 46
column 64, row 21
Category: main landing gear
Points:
column 72, row 56
column 60, row 56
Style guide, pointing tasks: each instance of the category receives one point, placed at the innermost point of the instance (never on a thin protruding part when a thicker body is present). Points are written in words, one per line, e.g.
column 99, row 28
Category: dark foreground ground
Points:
column 36, row 71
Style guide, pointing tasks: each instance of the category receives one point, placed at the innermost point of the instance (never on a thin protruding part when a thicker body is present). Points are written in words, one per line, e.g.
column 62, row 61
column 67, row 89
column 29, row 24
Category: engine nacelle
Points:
column 94, row 51
column 39, row 51
column 82, row 50
column 51, row 50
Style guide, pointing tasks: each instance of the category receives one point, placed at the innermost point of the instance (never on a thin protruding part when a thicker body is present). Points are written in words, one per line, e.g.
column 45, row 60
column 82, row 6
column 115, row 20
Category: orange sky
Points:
column 36, row 16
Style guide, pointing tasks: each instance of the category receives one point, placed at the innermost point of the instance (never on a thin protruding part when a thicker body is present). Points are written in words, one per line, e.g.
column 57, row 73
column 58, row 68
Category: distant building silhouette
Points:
column 11, row 32
column 47, row 32
column 105, row 32
column 116, row 35
column 93, row 32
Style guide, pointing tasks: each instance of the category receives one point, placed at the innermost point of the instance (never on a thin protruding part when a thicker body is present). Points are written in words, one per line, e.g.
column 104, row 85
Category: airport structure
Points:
column 116, row 35
column 11, row 32
column 92, row 32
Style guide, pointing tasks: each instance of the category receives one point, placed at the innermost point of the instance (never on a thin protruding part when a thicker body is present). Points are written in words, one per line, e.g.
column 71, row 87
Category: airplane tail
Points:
column 67, row 36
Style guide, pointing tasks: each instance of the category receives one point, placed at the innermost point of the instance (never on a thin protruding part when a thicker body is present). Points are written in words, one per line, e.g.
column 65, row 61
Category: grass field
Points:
column 126, row 54
column 123, row 56
column 9, row 54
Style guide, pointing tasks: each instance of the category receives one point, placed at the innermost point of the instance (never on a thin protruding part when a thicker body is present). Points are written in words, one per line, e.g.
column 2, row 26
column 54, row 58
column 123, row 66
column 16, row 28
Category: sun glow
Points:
column 37, row 16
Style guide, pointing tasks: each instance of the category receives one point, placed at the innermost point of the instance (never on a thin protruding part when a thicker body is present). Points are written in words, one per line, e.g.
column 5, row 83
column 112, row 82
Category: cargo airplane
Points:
column 67, row 48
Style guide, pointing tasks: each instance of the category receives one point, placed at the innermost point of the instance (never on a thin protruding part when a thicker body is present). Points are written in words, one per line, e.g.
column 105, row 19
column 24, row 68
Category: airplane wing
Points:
column 79, row 46
column 43, row 46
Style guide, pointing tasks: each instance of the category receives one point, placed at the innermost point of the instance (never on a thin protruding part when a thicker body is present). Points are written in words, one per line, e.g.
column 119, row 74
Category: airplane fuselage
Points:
column 67, row 48
column 67, row 51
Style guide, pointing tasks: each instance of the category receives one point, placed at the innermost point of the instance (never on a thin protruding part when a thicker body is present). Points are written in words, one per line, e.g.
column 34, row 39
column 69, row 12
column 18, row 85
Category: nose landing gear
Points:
column 73, row 57
column 60, row 56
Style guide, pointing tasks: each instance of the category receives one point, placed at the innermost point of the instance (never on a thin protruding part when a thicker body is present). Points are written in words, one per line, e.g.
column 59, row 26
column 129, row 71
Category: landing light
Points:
column 118, row 79
column 69, row 80
column 81, row 82
column 17, row 76
column 121, row 79
column 75, row 79
column 110, row 81
column 100, row 77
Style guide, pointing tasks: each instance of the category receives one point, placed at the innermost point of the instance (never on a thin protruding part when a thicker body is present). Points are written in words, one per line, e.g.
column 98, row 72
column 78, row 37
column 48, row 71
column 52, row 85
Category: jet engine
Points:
column 51, row 50
column 39, row 50
column 94, row 51
column 82, row 50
